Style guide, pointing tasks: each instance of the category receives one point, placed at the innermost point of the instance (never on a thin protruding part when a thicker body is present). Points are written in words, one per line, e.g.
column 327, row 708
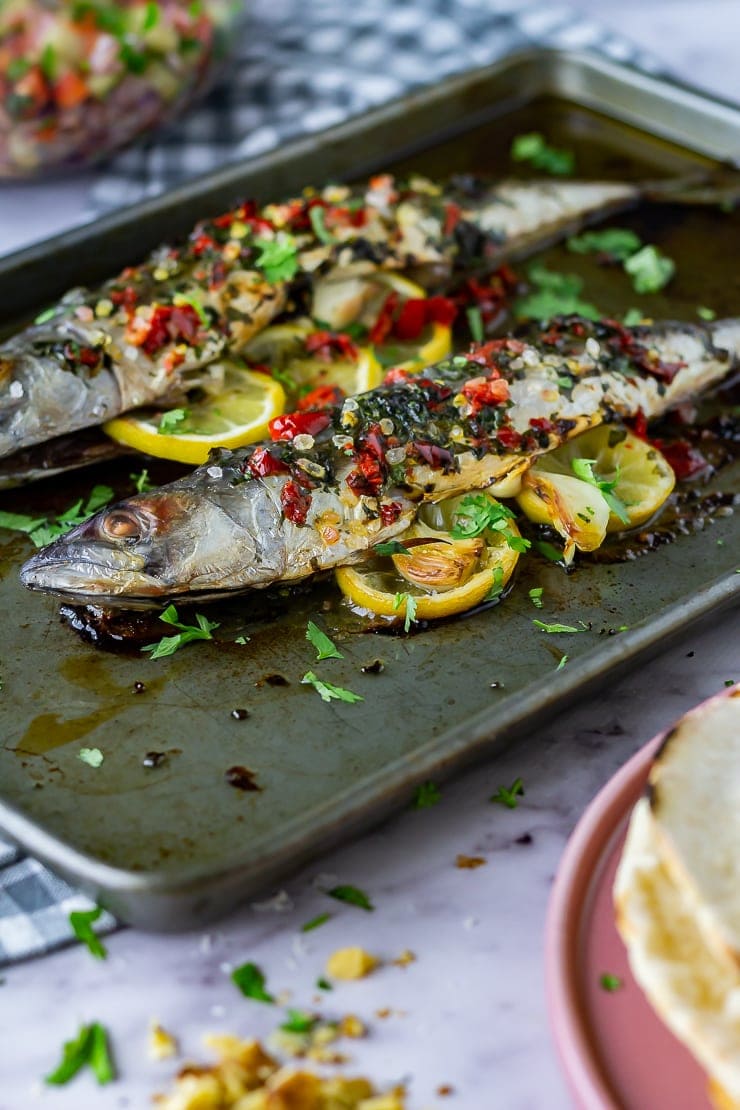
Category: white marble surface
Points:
column 471, row 1011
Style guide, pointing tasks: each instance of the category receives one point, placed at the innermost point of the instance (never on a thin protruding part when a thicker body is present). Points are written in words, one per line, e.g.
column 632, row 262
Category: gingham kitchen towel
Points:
column 298, row 68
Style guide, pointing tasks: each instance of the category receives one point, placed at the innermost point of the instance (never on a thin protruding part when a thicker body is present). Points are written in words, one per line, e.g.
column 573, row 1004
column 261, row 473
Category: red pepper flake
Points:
column 126, row 298
column 262, row 464
column 328, row 345
column 639, row 425
column 398, row 375
column 292, row 424
column 201, row 244
column 685, row 460
column 542, row 424
column 453, row 214
column 90, row 356
column 484, row 354
column 481, row 392
column 509, row 438
column 323, row 397
column 296, row 502
column 644, row 359
column 369, row 472
column 390, row 511
column 382, row 327
column 439, row 458
column 411, row 320
column 170, row 323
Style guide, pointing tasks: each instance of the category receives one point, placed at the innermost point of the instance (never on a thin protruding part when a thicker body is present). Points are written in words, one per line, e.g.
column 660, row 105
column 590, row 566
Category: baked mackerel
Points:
column 151, row 333
column 334, row 482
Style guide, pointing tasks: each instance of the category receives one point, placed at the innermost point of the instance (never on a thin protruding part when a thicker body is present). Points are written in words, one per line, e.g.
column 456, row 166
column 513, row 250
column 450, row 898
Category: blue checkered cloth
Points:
column 298, row 68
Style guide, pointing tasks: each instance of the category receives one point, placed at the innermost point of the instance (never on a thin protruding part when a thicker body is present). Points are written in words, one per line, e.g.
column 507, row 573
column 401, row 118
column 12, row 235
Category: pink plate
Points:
column 616, row 1052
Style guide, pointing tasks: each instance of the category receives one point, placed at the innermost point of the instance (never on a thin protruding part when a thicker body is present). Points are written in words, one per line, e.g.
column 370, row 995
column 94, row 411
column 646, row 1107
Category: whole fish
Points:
column 149, row 335
column 334, row 482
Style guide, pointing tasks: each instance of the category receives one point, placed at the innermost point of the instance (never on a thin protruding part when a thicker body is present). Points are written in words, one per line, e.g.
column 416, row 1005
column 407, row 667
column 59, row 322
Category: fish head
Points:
column 170, row 542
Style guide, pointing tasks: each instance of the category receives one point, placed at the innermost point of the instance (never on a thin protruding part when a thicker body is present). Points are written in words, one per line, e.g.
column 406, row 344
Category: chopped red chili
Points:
column 327, row 345
column 509, row 438
column 486, row 391
column 685, row 460
column 171, row 324
column 382, row 327
column 323, row 397
column 262, row 464
column 390, row 512
column 296, row 502
column 292, row 424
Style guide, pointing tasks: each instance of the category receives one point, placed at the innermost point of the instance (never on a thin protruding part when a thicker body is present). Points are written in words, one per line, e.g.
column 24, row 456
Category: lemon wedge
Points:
column 282, row 349
column 622, row 465
column 235, row 412
column 442, row 575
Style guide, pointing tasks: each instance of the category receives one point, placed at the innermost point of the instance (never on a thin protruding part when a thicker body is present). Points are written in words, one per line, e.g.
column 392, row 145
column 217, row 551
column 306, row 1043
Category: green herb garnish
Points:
column 497, row 584
column 151, row 16
column 325, row 648
column 81, row 922
column 535, row 596
column 553, row 294
column 509, row 797
column 169, row 422
column 561, row 664
column 533, row 148
column 48, row 62
column 89, row 1047
column 195, row 303
column 42, row 530
column 141, row 481
column 298, row 1021
column 584, row 469
column 427, row 795
column 549, row 551
column 650, row 270
column 393, row 547
column 633, row 317
column 168, row 645
column 409, row 603
column 619, row 242
column 706, row 313
column 92, row 756
column 475, row 323
column 242, row 640
column 478, row 513
column 278, row 257
column 557, row 627
column 352, row 895
column 328, row 691
column 316, row 922
column 324, row 984
column 609, row 982
column 317, row 216
column 251, row 982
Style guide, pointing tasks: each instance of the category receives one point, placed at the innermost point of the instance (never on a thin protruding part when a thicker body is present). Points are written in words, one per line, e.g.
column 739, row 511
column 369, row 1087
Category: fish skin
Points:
column 45, row 391
column 220, row 530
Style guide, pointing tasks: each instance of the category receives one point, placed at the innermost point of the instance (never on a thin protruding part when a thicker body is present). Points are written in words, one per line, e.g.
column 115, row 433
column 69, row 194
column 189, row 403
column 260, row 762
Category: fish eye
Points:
column 122, row 524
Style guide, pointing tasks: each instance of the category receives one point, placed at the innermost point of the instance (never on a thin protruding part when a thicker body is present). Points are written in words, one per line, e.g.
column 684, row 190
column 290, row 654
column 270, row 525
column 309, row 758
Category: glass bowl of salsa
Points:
column 81, row 78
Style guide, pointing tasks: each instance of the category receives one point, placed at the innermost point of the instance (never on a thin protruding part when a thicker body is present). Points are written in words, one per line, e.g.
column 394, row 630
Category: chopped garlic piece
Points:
column 162, row 1044
column 350, row 963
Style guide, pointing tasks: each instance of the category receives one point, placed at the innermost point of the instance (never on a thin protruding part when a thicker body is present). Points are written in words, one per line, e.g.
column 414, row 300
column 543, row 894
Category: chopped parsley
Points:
column 278, row 257
column 535, row 596
column 352, row 895
column 609, row 982
column 534, row 148
column 324, row 984
column 393, row 547
column 92, row 756
column 194, row 302
column 328, row 691
column 170, row 422
column 81, row 922
column 475, row 323
column 561, row 664
column 298, row 1021
column 89, row 1047
column 325, row 648
column 315, row 922
column 552, row 294
column 46, row 315
column 497, row 584
column 557, row 627
column 509, row 796
column 409, row 603
column 141, row 481
column 632, row 317
column 706, row 313
column 242, row 640
column 251, row 982
column 478, row 513
column 317, row 216
column 168, row 645
column 650, row 270
column 549, row 551
column 427, row 795
column 618, row 242
column 584, row 469
column 42, row 530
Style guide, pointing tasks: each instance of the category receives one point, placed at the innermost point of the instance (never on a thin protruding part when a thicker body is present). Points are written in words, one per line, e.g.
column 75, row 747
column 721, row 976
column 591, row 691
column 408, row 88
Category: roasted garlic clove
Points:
column 440, row 565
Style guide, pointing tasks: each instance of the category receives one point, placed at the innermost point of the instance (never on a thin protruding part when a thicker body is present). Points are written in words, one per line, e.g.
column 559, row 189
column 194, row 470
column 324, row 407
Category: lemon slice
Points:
column 444, row 576
column 282, row 348
column 644, row 478
column 239, row 412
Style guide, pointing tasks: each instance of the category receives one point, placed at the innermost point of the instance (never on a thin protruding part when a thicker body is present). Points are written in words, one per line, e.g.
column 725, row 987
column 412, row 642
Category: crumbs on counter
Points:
column 247, row 1077
column 407, row 957
column 469, row 863
column 350, row 963
column 161, row 1045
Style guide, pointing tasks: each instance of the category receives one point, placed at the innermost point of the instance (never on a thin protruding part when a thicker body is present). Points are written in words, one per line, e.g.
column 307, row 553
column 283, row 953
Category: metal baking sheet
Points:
column 175, row 846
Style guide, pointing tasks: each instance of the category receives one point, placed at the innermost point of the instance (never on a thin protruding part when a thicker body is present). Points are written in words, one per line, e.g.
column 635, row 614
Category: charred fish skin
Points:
column 150, row 333
column 335, row 482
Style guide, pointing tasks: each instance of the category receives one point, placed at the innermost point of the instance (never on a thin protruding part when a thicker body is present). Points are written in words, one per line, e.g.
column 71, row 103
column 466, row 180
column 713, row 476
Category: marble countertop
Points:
column 470, row 1012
